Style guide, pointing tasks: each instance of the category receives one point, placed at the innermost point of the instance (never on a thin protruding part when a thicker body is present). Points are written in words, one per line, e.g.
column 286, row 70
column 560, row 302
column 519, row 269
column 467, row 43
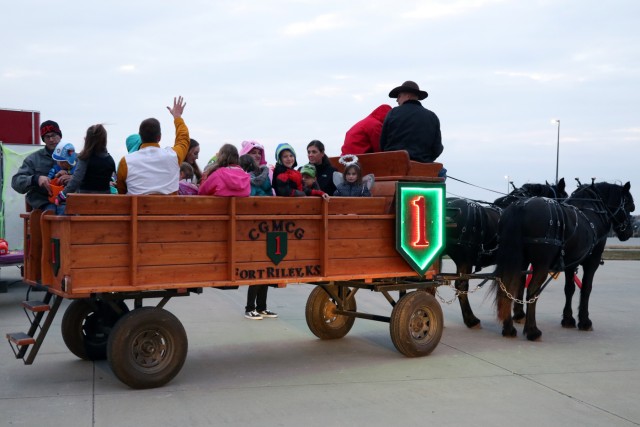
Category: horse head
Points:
column 616, row 202
column 620, row 205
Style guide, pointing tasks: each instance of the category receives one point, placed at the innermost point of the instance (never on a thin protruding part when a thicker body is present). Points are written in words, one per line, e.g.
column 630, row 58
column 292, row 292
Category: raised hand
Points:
column 178, row 107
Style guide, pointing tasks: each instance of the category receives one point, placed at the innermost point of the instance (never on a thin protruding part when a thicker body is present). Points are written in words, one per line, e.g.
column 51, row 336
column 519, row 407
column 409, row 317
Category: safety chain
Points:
column 457, row 293
column 514, row 299
column 502, row 287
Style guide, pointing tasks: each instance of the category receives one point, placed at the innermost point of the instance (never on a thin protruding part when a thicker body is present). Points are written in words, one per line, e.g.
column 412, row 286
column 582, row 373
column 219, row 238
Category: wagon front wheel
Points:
column 416, row 324
column 322, row 319
column 147, row 348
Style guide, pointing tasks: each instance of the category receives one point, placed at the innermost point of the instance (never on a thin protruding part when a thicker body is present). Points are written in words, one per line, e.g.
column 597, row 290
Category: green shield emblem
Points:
column 420, row 222
column 276, row 246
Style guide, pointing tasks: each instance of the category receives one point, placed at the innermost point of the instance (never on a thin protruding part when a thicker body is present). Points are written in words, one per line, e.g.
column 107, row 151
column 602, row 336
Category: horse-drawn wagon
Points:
column 111, row 253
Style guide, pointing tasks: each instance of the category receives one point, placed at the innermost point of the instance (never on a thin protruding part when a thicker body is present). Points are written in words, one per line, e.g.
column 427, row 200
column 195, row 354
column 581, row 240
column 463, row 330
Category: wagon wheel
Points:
column 86, row 326
column 147, row 347
column 416, row 324
column 322, row 318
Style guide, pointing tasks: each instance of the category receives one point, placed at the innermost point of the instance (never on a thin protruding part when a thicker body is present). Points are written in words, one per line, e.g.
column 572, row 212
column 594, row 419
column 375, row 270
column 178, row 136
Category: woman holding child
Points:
column 324, row 170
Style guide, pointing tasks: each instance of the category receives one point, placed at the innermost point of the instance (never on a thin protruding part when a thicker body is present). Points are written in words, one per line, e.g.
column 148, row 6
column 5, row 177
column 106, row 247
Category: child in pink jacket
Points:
column 226, row 178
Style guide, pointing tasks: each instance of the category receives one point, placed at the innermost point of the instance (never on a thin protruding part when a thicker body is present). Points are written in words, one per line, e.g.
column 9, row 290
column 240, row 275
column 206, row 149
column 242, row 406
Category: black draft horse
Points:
column 472, row 240
column 554, row 237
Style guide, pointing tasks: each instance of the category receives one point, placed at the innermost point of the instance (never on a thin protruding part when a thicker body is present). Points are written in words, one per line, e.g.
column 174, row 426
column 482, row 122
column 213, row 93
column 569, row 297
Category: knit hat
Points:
column 308, row 169
column 250, row 145
column 65, row 152
column 133, row 143
column 282, row 147
column 48, row 127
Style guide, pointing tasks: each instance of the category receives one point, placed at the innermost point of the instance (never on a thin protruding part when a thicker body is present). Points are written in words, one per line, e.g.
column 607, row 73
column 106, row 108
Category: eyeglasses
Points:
column 50, row 135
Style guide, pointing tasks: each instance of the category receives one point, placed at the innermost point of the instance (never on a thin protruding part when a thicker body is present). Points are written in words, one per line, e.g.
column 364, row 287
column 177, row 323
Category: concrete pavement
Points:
column 274, row 372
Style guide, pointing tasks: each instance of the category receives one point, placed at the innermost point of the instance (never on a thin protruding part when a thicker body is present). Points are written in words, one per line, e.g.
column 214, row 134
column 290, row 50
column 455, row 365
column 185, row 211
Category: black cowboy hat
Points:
column 411, row 87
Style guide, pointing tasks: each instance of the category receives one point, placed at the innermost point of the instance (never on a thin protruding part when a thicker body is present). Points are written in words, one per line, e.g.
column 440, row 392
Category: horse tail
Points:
column 509, row 259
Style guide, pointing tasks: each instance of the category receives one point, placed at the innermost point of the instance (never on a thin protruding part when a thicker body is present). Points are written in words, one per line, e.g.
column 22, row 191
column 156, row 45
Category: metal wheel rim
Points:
column 329, row 315
column 151, row 350
column 420, row 325
column 93, row 329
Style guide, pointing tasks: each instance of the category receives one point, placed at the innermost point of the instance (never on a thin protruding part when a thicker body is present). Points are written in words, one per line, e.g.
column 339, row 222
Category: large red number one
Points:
column 420, row 221
column 277, row 245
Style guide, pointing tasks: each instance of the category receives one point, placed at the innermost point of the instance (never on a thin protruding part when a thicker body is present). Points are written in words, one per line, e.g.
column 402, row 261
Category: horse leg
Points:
column 518, row 308
column 569, row 288
column 504, row 313
column 584, row 323
column 462, row 285
column 530, row 329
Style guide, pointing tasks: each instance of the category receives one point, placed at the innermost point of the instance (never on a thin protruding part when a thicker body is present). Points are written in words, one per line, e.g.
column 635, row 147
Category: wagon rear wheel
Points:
column 321, row 315
column 416, row 324
column 86, row 326
column 147, row 348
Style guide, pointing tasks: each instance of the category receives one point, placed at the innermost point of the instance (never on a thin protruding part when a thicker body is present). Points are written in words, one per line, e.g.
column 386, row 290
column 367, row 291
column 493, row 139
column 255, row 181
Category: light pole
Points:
column 557, row 147
column 508, row 182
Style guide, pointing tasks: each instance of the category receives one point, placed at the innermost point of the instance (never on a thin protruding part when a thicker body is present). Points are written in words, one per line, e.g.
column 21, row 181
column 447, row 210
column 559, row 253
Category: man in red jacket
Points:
column 364, row 136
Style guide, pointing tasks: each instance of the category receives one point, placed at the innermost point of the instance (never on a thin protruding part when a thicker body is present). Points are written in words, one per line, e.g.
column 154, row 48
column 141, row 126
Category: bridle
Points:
column 618, row 225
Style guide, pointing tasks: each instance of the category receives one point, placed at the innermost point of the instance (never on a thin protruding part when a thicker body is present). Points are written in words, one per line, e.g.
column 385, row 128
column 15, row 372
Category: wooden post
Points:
column 134, row 240
column 231, row 239
column 324, row 250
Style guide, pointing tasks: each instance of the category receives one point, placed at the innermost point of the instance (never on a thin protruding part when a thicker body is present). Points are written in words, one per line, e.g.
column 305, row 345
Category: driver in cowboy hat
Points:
column 410, row 126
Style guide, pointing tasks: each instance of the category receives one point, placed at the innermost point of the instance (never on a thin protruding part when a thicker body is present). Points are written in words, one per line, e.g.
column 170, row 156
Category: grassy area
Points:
column 622, row 253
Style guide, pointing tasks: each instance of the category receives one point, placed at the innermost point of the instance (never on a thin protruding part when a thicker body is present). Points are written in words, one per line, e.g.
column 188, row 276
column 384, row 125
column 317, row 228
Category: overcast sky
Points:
column 497, row 72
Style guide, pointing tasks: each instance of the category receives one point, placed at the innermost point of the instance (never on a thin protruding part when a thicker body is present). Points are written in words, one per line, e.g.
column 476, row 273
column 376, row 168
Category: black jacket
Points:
column 412, row 127
column 324, row 175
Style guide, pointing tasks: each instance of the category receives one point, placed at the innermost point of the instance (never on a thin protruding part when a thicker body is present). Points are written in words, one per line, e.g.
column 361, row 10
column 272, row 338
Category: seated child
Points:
column 256, row 150
column 286, row 180
column 186, row 187
column 65, row 158
column 260, row 184
column 225, row 177
column 309, row 182
column 351, row 183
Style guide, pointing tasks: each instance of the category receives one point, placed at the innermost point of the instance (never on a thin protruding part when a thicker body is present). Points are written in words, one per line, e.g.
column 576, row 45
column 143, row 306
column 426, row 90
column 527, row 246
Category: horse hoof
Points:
column 534, row 336
column 585, row 326
column 568, row 322
column 474, row 324
column 509, row 333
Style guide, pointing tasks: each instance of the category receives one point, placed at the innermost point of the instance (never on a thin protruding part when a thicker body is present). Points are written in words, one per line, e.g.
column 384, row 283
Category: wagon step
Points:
column 20, row 339
column 25, row 346
column 36, row 306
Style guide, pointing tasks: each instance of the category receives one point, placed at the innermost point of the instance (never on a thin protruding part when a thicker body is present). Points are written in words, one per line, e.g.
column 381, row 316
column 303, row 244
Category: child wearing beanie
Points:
column 310, row 183
column 287, row 181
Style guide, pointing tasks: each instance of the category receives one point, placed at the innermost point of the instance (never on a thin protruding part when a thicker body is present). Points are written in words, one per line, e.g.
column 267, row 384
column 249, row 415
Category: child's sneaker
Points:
column 267, row 313
column 253, row 315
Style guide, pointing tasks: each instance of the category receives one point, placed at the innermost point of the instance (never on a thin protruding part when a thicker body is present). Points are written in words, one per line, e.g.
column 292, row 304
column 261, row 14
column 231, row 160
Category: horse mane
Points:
column 533, row 190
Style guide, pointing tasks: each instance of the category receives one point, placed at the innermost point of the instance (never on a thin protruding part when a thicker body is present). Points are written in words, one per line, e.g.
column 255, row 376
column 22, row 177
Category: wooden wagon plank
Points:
column 359, row 249
column 343, row 228
column 279, row 205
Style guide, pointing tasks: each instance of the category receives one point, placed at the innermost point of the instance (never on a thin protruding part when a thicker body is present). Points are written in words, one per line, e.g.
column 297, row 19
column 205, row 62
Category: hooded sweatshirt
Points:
column 227, row 181
column 250, row 145
column 262, row 164
column 364, row 136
